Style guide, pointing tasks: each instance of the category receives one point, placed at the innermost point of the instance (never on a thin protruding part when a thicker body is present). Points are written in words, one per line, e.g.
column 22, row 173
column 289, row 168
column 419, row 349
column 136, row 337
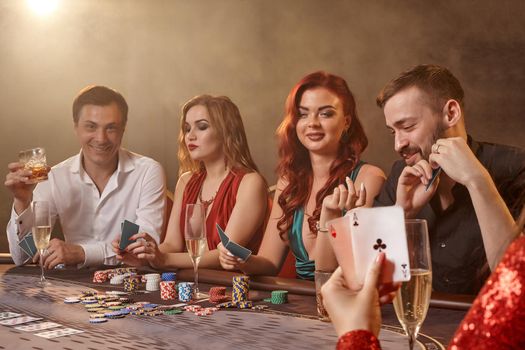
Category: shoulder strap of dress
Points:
column 355, row 171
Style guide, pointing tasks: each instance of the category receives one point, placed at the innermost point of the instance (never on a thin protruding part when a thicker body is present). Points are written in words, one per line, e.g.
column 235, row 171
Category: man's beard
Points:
column 436, row 135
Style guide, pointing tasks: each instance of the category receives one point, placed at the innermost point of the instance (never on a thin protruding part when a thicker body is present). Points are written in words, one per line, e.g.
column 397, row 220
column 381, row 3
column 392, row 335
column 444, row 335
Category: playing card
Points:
column 365, row 232
column 128, row 229
column 23, row 245
column 234, row 248
column 58, row 333
column 435, row 174
column 7, row 314
column 37, row 326
column 31, row 244
column 19, row 320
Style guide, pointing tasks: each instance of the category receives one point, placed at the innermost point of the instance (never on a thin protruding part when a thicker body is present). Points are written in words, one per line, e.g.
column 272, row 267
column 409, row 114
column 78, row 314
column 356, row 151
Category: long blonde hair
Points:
column 226, row 119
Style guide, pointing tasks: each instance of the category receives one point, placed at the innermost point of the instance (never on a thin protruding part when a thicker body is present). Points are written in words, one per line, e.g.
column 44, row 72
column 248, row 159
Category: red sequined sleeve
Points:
column 496, row 319
column 358, row 340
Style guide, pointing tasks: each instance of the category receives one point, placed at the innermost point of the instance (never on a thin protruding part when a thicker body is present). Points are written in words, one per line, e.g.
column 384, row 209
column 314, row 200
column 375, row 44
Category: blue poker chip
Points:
column 125, row 311
column 98, row 320
column 169, row 276
column 150, row 306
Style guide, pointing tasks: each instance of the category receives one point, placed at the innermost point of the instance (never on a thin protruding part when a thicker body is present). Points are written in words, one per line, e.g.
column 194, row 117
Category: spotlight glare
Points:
column 43, row 7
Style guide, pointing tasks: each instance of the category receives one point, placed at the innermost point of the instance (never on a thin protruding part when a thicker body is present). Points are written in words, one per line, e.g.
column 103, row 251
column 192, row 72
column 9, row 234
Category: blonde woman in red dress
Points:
column 217, row 171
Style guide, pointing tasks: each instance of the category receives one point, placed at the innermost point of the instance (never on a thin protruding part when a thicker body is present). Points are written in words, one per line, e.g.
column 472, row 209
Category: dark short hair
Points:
column 99, row 96
column 437, row 82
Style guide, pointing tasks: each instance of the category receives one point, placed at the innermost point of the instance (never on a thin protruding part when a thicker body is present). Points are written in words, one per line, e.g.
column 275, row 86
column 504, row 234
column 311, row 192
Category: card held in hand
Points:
column 128, row 229
column 359, row 236
column 234, row 248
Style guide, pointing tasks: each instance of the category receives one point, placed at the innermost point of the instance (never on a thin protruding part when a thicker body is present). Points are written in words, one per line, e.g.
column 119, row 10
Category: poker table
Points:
column 288, row 326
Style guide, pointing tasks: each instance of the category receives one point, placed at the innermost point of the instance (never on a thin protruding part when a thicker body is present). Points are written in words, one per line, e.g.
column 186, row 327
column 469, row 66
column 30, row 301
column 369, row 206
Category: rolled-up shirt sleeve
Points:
column 97, row 254
column 17, row 227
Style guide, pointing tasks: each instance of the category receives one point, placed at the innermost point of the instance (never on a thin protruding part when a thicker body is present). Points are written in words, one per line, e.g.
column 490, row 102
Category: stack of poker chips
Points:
column 241, row 287
column 168, row 290
column 186, row 291
column 119, row 279
column 169, row 276
column 218, row 294
column 152, row 282
column 131, row 283
column 100, row 276
column 121, row 271
column 279, row 297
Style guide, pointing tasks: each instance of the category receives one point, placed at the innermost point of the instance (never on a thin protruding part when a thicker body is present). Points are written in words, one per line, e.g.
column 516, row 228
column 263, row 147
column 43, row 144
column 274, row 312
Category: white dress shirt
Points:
column 136, row 191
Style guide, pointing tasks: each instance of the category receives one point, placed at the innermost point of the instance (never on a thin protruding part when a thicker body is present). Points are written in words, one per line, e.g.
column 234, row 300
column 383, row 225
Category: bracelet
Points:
column 319, row 229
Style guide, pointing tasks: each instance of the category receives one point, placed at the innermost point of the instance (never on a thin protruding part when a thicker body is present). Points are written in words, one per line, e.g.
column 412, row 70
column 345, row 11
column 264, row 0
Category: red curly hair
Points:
column 294, row 161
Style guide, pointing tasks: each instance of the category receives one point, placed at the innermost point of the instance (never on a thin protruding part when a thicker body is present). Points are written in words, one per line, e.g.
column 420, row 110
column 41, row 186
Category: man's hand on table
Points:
column 60, row 252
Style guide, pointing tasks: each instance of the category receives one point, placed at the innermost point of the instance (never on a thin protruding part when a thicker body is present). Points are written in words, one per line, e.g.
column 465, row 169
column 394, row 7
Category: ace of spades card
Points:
column 359, row 236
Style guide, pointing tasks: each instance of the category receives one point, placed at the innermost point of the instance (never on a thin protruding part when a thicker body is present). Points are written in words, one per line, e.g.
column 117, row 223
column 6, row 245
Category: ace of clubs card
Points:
column 359, row 236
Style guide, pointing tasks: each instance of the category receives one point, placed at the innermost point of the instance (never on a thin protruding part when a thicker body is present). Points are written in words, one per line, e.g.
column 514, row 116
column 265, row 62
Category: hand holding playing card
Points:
column 343, row 198
column 349, row 309
column 142, row 250
column 362, row 234
column 412, row 193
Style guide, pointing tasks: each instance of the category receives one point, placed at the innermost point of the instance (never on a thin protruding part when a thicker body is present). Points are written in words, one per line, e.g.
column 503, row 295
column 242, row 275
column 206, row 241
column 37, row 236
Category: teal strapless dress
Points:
column 304, row 267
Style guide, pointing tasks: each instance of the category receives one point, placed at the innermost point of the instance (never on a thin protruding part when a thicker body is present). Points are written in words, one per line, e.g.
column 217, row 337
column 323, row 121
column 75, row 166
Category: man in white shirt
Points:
column 92, row 192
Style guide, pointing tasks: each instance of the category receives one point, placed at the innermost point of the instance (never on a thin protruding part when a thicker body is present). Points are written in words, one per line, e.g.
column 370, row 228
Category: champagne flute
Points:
column 41, row 233
column 195, row 236
column 413, row 298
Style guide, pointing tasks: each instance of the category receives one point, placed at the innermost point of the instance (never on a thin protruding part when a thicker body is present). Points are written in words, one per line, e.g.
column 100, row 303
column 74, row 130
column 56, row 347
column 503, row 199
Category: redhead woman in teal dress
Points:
column 320, row 143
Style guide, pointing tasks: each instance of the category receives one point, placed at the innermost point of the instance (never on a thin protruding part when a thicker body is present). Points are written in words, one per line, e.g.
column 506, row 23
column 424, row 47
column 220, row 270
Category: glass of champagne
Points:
column 413, row 298
column 195, row 236
column 41, row 232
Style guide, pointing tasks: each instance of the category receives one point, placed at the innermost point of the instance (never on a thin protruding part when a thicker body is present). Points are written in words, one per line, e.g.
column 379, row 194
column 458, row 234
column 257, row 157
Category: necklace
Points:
column 206, row 203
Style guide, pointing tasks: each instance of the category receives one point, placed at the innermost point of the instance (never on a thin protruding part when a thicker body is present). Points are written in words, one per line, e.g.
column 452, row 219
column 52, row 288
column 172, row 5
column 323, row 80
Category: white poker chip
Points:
column 71, row 300
column 116, row 292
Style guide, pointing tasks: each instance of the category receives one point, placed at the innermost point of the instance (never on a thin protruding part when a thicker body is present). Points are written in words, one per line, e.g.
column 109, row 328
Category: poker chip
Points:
column 116, row 307
column 168, row 290
column 185, row 291
column 100, row 277
column 71, row 300
column 114, row 314
column 150, row 305
column 218, row 294
column 97, row 315
column 260, row 307
column 125, row 311
column 97, row 309
column 113, row 303
column 169, row 276
column 241, row 288
column 97, row 320
column 244, row 304
column 116, row 292
column 89, row 301
column 173, row 312
column 279, row 297
column 131, row 283
column 228, row 304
